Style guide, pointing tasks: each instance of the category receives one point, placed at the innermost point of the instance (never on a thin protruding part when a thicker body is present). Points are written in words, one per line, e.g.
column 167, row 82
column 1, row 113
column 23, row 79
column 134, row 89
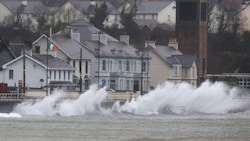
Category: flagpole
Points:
column 47, row 68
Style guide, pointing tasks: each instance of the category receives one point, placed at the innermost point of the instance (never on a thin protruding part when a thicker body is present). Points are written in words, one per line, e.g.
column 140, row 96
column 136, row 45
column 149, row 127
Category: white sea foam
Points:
column 210, row 98
column 53, row 105
column 10, row 115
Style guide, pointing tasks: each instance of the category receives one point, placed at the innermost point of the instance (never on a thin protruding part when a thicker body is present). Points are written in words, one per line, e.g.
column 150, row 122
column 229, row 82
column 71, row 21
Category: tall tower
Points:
column 191, row 27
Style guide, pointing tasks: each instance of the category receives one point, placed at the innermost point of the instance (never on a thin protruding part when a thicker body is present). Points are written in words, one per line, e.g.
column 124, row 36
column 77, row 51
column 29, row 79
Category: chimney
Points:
column 24, row 2
column 150, row 43
column 101, row 37
column 125, row 39
column 173, row 43
column 75, row 34
column 92, row 3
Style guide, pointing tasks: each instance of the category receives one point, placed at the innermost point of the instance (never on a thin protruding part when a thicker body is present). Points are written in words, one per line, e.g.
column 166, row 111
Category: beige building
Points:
column 167, row 63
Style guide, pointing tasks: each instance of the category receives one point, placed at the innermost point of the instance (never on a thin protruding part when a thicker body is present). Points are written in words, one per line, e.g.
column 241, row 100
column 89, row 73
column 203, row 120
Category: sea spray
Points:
column 39, row 107
column 210, row 98
column 10, row 115
column 166, row 98
column 88, row 102
column 52, row 105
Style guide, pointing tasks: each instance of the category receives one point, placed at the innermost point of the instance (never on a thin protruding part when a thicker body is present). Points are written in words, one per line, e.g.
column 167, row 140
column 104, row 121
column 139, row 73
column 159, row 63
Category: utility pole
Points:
column 80, row 70
column 99, row 46
column 142, row 73
column 24, row 72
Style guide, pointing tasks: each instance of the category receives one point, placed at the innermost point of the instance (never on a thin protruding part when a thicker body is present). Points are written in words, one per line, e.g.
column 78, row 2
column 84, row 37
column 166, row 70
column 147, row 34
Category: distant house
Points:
column 162, row 11
column 67, row 50
column 118, row 65
column 74, row 10
column 245, row 16
column 167, row 63
column 114, row 63
column 26, row 11
column 35, row 72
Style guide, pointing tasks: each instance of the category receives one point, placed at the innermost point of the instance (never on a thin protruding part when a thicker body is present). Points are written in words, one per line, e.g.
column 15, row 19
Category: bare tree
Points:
column 224, row 16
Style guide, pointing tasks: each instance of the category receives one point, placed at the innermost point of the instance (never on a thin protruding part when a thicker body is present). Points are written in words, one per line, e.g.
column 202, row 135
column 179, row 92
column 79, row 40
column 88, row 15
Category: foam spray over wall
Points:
column 210, row 98
column 53, row 105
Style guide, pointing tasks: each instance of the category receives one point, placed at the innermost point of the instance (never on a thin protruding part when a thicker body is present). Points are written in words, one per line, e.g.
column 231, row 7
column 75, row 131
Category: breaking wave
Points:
column 168, row 98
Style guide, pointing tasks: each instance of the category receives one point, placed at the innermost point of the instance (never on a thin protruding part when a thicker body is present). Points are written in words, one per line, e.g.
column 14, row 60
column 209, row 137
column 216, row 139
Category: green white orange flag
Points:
column 51, row 47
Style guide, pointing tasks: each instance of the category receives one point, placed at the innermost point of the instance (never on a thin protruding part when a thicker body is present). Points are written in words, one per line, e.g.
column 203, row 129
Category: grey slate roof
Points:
column 184, row 60
column 166, row 51
column 150, row 7
column 173, row 56
column 112, row 49
column 53, row 63
column 71, row 47
column 32, row 7
column 86, row 30
column 152, row 24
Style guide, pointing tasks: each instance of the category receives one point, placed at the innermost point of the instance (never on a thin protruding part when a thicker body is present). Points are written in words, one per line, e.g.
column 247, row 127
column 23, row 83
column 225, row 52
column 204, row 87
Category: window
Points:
column 169, row 19
column 111, row 63
column 185, row 72
column 54, row 74
column 127, row 85
column 175, row 71
column 144, row 66
column 64, row 75
column 74, row 64
column 50, row 74
column 68, row 75
column 120, row 65
column 187, row 11
column 11, row 74
column 37, row 49
column 112, row 84
column 86, row 67
column 135, row 66
column 203, row 11
column 59, row 75
column 127, row 65
column 193, row 71
column 104, row 65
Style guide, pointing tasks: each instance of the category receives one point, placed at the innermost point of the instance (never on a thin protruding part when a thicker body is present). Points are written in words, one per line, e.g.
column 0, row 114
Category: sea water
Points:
column 213, row 111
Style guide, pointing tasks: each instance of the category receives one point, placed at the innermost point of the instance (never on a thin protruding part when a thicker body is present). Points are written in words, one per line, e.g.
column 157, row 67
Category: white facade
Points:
column 4, row 11
column 123, row 74
column 35, row 73
column 168, row 14
column 162, row 69
column 64, row 54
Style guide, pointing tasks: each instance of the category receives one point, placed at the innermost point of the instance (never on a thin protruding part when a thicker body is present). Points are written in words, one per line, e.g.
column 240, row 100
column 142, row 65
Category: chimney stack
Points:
column 125, row 39
column 150, row 43
column 101, row 37
column 173, row 43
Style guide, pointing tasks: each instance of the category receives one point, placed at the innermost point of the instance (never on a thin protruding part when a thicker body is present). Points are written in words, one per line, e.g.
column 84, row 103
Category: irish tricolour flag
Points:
column 51, row 47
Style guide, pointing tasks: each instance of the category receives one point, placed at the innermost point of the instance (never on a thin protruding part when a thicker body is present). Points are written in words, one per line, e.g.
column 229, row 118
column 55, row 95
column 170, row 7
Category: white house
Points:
column 27, row 11
column 117, row 64
column 74, row 10
column 162, row 11
column 167, row 63
column 67, row 50
column 35, row 71
column 114, row 63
